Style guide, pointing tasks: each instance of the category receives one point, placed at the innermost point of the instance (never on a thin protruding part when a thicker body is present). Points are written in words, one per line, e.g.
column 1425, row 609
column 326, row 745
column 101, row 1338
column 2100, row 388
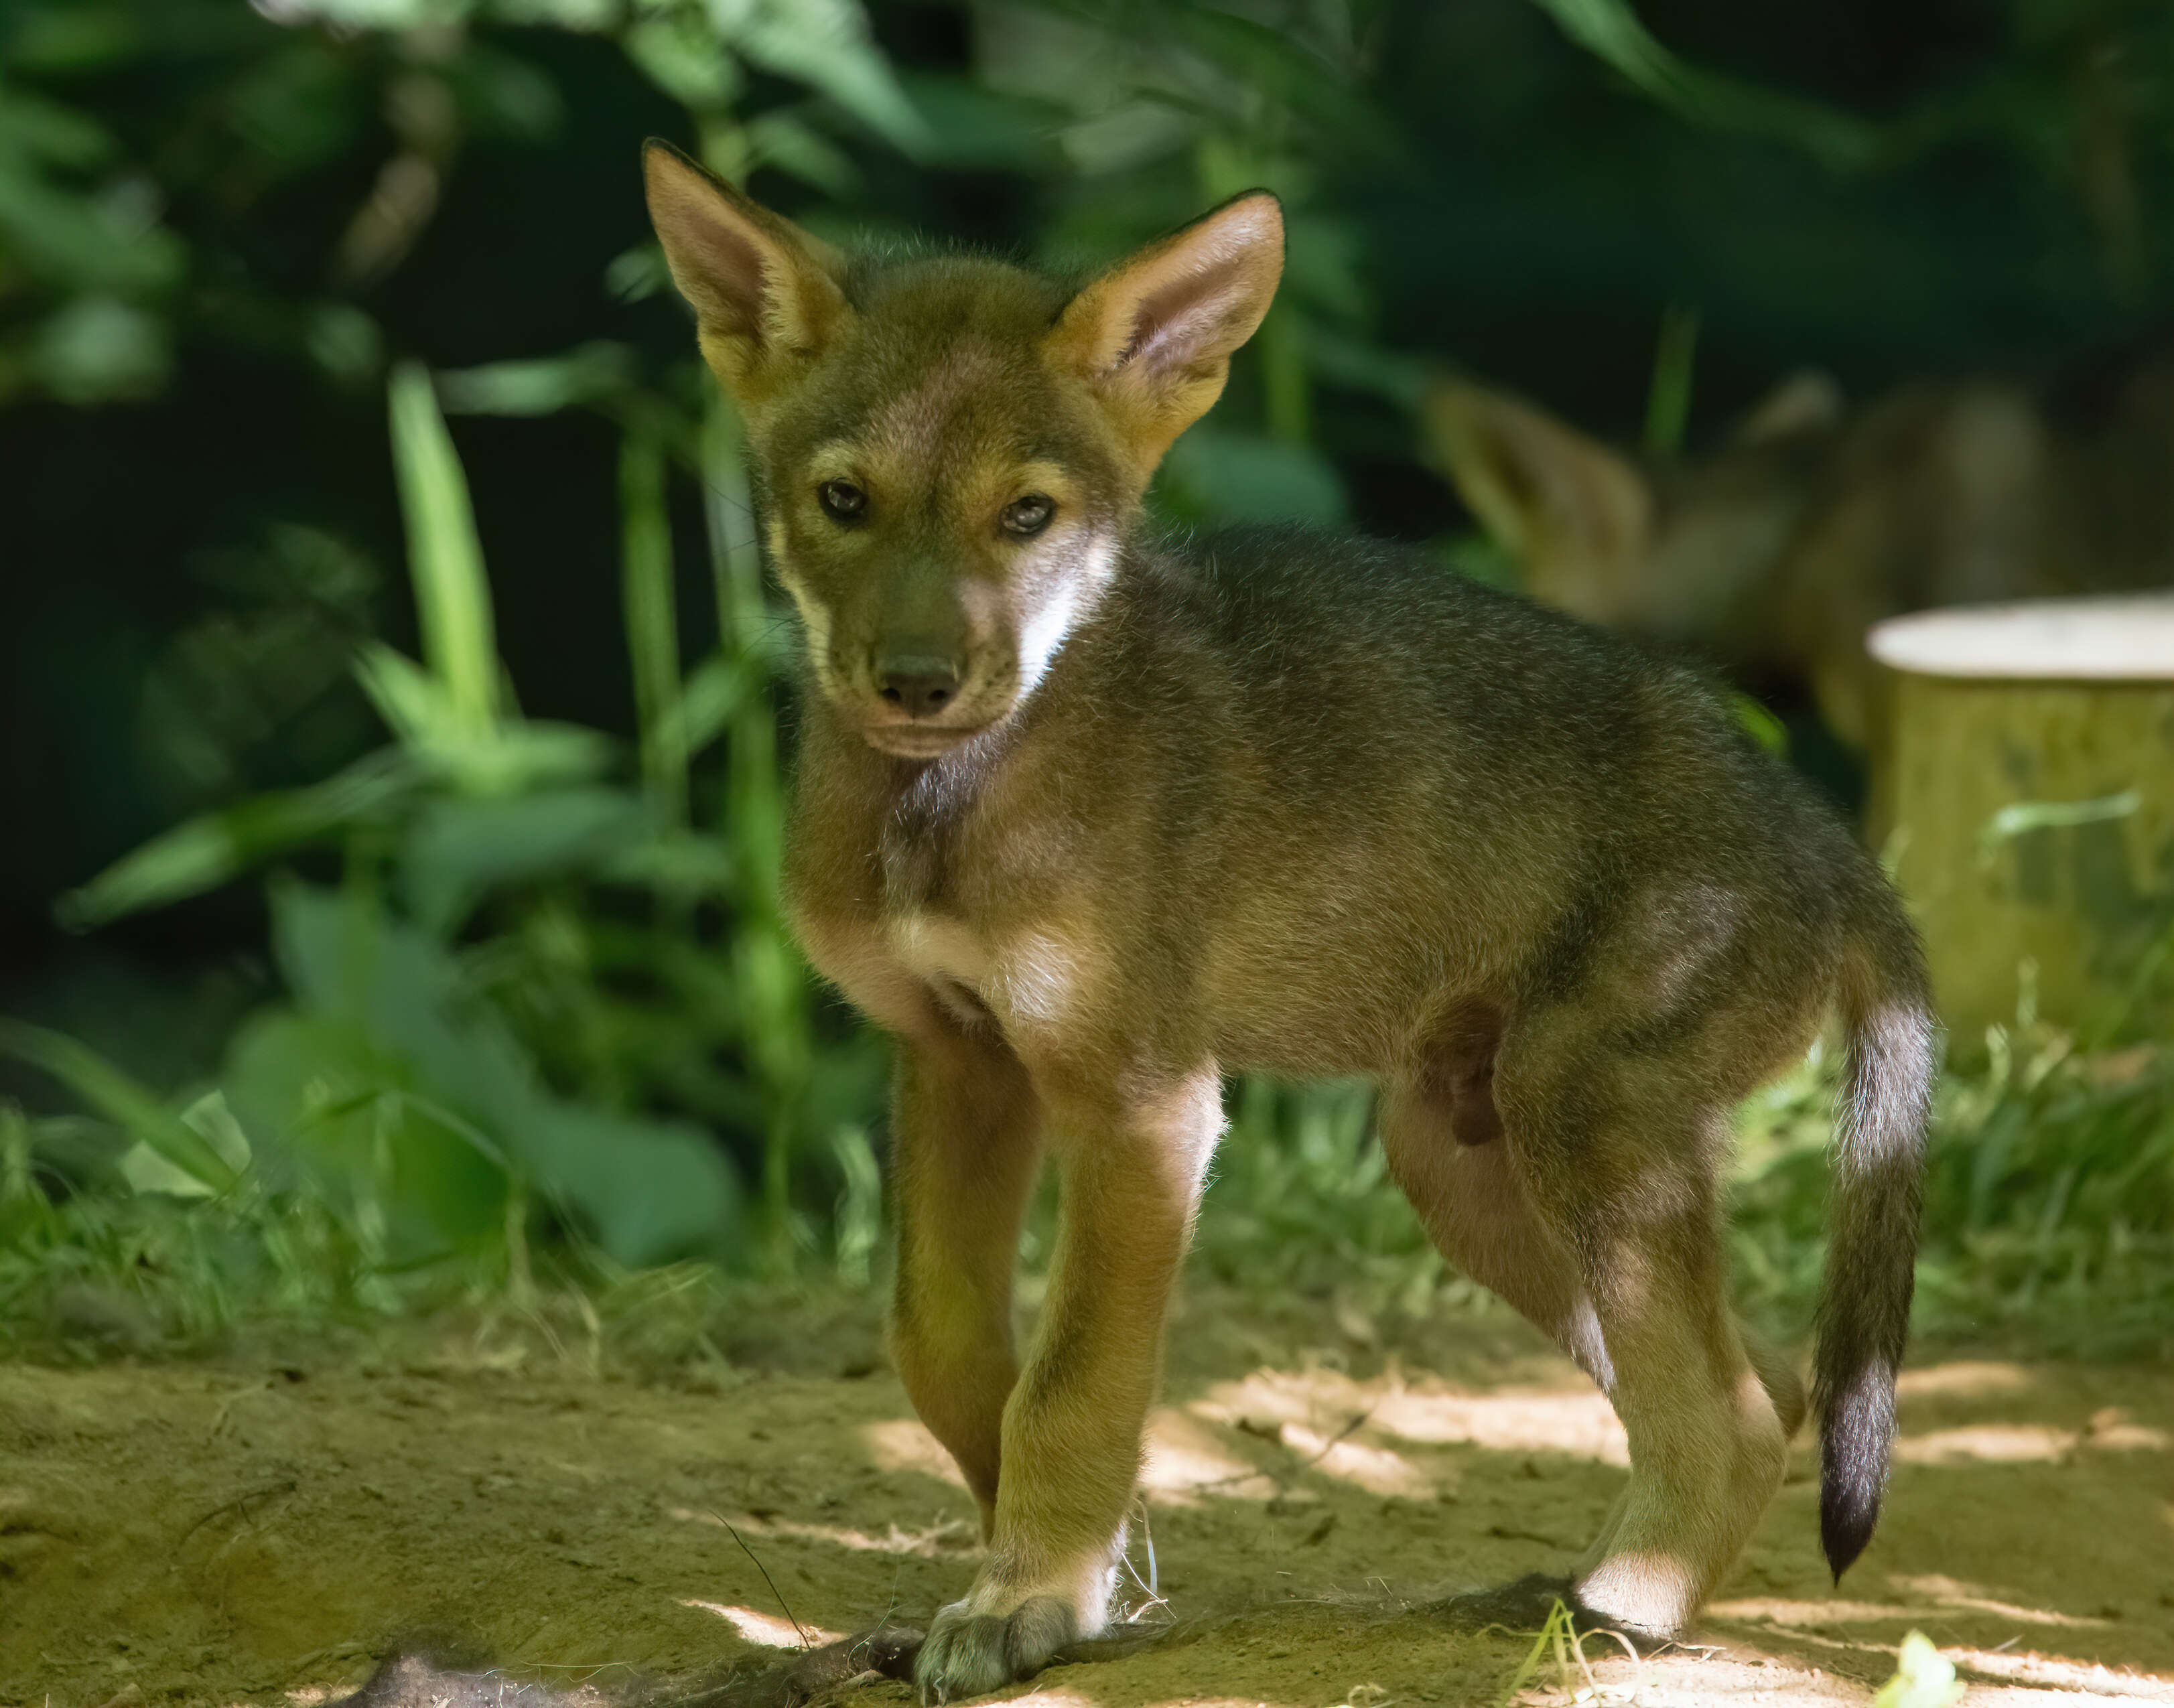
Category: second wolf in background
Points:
column 1774, row 554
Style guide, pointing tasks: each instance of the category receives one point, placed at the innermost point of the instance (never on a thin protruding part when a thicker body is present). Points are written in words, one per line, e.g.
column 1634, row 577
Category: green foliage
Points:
column 1301, row 1203
column 2049, row 1204
column 1924, row 1677
column 123, row 1101
column 504, row 906
column 1612, row 30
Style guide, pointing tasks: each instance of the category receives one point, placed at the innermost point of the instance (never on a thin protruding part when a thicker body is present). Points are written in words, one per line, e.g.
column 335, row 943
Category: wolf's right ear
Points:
column 1542, row 489
column 766, row 294
column 1807, row 402
column 1154, row 336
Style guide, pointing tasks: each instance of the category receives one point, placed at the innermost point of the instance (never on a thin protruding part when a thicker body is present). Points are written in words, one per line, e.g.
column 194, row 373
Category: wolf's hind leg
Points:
column 1615, row 1154
column 966, row 1152
column 1474, row 1205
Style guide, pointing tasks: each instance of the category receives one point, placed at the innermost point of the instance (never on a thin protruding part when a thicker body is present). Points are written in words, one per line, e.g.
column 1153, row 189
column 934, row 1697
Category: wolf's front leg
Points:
column 1131, row 1179
column 966, row 1148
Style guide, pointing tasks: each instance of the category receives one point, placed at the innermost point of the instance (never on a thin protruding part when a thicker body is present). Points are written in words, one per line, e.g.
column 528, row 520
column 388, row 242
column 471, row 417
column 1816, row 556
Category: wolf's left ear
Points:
column 764, row 293
column 1155, row 334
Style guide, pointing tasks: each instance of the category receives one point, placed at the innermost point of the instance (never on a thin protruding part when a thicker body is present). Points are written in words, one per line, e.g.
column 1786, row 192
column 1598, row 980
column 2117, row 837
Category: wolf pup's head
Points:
column 949, row 449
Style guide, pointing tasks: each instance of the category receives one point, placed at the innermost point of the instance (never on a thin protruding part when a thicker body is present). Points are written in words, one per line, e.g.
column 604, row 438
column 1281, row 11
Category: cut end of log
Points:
column 2127, row 637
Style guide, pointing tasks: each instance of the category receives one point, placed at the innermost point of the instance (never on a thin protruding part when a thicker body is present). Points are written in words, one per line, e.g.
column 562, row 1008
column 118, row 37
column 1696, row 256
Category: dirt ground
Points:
column 267, row 1530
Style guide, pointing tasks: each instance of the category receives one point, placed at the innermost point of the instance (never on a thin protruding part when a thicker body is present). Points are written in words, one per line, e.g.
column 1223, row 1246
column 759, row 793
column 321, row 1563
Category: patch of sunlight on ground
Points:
column 1185, row 1462
column 1945, row 1592
column 948, row 1539
column 1377, row 1470
column 903, row 1444
column 1059, row 1697
column 767, row 1629
column 2109, row 1431
column 1964, row 1376
column 1775, row 1610
column 2101, row 1681
column 1999, row 1443
column 1578, row 1423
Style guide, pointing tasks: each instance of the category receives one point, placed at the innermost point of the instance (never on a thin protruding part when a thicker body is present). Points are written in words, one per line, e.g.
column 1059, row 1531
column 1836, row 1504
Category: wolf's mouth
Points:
column 918, row 741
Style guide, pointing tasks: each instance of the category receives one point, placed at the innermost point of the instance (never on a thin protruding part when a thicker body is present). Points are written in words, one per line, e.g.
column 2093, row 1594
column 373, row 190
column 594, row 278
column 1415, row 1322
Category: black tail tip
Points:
column 1848, row 1517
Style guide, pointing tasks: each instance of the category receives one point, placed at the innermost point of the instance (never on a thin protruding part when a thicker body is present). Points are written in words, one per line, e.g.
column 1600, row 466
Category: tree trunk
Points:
column 2027, row 792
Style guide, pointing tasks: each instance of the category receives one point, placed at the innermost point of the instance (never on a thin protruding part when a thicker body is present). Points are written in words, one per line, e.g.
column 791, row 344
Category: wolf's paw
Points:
column 1525, row 1605
column 1521, row 1606
column 969, row 1654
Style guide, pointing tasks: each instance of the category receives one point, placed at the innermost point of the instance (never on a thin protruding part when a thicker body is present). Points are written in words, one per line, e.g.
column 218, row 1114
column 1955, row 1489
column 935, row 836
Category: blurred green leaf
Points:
column 1762, row 725
column 1669, row 395
column 297, row 108
column 648, row 603
column 2023, row 817
column 826, row 45
column 499, row 95
column 712, row 694
column 36, row 128
column 687, row 865
column 217, row 847
column 1924, row 1677
column 649, row 1189
column 457, row 851
column 637, row 274
column 787, row 143
column 1613, row 31
column 118, row 1097
column 592, row 374
column 329, row 1100
column 73, row 38
column 147, row 1171
column 445, row 558
column 1223, row 475
column 971, row 125
column 677, row 51
column 96, row 348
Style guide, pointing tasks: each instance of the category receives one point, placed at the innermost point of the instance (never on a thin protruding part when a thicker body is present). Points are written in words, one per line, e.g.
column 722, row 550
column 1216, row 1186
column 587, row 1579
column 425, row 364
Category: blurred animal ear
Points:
column 1807, row 401
column 1155, row 334
column 766, row 294
column 1541, row 488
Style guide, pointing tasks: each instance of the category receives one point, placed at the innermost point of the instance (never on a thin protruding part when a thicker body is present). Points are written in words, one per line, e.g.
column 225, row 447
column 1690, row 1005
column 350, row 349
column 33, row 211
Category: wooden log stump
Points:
column 2027, row 789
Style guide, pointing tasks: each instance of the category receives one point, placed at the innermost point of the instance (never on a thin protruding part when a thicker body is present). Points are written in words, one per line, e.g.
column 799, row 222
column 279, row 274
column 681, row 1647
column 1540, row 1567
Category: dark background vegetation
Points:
column 221, row 228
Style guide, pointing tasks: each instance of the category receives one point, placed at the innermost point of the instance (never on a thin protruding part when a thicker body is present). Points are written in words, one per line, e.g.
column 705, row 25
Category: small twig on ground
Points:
column 1340, row 1437
column 286, row 1485
column 804, row 1642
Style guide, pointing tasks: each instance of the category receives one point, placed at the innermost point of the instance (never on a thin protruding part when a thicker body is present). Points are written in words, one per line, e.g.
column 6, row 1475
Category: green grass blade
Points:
column 1668, row 399
column 1760, row 725
column 653, row 625
column 445, row 556
column 1612, row 30
column 118, row 1097
column 204, row 852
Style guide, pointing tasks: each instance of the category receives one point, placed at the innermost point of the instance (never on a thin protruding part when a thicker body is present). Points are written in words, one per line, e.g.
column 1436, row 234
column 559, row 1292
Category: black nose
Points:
column 922, row 685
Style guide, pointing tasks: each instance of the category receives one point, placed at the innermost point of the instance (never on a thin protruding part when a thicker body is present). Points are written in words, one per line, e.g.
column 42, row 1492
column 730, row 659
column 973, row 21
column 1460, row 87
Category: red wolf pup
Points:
column 1085, row 819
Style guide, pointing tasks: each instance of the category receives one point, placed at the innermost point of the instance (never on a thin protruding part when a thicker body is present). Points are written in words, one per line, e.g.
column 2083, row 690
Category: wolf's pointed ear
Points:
column 1542, row 490
column 764, row 293
column 1155, row 334
column 1807, row 402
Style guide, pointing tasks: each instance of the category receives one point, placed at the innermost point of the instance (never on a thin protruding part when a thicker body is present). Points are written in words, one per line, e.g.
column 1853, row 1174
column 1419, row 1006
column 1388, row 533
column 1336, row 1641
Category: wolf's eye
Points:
column 1028, row 516
column 841, row 500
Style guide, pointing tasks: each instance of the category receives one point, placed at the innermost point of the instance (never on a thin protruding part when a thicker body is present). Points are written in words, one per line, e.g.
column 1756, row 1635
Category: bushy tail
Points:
column 1891, row 1056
